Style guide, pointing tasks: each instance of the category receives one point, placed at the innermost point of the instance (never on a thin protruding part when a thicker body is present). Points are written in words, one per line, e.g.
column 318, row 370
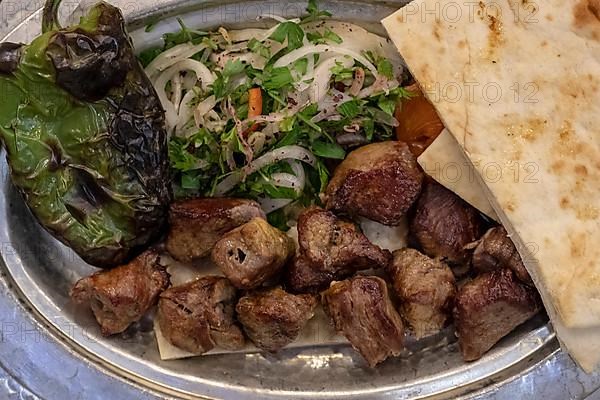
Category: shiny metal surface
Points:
column 45, row 339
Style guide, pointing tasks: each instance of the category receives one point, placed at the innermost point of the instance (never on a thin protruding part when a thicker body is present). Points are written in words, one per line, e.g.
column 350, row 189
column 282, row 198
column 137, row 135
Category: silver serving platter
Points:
column 40, row 271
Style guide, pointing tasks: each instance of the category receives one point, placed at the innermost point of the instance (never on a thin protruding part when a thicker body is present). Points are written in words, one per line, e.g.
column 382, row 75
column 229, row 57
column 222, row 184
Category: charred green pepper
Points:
column 85, row 136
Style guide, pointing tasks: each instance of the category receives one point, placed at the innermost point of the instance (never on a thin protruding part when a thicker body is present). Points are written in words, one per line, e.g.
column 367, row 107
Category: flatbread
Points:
column 518, row 85
column 446, row 162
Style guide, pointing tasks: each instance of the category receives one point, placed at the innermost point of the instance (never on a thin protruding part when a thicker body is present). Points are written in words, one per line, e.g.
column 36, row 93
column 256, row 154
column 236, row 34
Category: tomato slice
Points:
column 420, row 124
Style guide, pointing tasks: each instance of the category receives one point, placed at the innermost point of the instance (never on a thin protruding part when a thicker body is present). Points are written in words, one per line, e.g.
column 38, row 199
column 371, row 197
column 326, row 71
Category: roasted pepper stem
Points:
column 50, row 16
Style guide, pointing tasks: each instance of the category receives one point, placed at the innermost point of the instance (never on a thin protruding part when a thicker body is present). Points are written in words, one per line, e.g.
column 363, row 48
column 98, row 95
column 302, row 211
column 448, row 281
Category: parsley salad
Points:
column 266, row 113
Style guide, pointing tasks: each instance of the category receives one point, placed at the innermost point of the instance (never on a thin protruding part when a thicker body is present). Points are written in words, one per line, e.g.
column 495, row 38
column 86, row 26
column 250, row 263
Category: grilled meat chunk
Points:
column 330, row 248
column 444, row 224
column 196, row 225
column 380, row 181
column 360, row 308
column 199, row 316
column 495, row 251
column 121, row 296
column 253, row 253
column 273, row 318
column 426, row 288
column 489, row 308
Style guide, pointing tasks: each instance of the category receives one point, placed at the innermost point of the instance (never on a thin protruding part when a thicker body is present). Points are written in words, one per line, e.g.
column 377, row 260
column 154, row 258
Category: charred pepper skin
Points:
column 85, row 136
column 10, row 56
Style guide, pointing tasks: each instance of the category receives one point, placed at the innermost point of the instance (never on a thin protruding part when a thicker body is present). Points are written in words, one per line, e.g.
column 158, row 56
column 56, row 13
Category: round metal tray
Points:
column 43, row 271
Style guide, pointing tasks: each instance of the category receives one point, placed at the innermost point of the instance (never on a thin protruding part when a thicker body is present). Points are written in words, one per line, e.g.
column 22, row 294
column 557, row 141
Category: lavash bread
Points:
column 518, row 85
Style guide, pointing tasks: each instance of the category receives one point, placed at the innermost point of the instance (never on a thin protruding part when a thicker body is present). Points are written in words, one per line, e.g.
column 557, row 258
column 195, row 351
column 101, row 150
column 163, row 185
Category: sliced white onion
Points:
column 170, row 111
column 275, row 117
column 272, row 128
column 299, row 172
column 213, row 115
column 177, row 91
column 286, row 180
column 277, row 18
column 247, row 57
column 269, row 205
column 187, row 131
column 228, row 150
column 231, row 181
column 262, row 35
column 203, row 108
column 320, row 85
column 248, row 34
column 359, row 39
column 358, row 83
column 324, row 48
column 293, row 232
column 202, row 73
column 189, row 81
column 352, row 128
column 381, row 85
column 234, row 48
column 239, row 129
column 301, row 83
column 225, row 34
column 292, row 152
column 185, row 112
column 245, row 35
column 214, row 124
column 297, row 168
column 271, row 132
column 205, row 76
column 267, row 34
column 310, row 66
column 257, row 141
column 172, row 57
column 240, row 80
column 328, row 105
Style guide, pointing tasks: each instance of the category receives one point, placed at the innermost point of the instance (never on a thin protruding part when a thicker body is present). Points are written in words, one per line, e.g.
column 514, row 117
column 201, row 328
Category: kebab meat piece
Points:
column 330, row 248
column 490, row 307
column 253, row 253
column 273, row 318
column 123, row 295
column 200, row 315
column 379, row 181
column 444, row 225
column 360, row 309
column 425, row 288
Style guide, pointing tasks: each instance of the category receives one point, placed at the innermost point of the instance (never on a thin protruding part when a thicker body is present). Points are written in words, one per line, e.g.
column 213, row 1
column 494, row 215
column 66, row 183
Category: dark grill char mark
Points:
column 10, row 56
